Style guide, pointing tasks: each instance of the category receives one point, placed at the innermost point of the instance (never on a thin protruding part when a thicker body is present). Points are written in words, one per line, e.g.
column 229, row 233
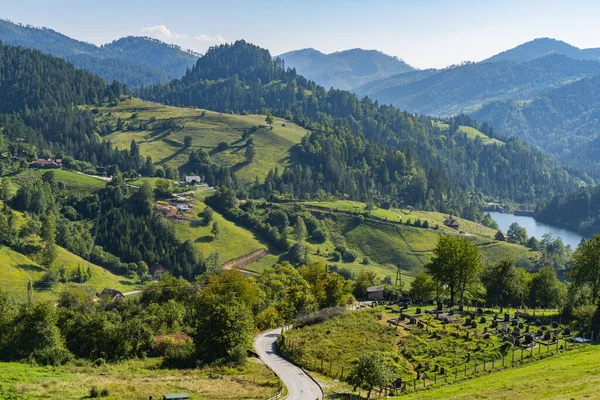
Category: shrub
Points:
column 336, row 256
column 319, row 235
column 366, row 261
column 318, row 316
column 180, row 357
column 222, row 146
column 349, row 256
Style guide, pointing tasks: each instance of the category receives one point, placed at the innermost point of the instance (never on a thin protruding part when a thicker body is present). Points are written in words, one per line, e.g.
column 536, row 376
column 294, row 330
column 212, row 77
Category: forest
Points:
column 440, row 170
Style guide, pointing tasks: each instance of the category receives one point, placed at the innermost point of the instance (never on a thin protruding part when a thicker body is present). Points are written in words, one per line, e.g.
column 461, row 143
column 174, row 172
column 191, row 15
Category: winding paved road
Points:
column 299, row 385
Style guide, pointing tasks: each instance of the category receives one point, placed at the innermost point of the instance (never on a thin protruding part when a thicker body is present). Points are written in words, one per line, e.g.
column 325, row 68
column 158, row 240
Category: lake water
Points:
column 536, row 228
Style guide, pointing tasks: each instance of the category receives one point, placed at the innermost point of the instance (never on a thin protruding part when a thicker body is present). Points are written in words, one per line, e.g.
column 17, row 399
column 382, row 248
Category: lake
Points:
column 536, row 228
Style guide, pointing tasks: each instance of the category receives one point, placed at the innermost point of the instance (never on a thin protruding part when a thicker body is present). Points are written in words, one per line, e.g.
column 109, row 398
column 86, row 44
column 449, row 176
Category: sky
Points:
column 424, row 33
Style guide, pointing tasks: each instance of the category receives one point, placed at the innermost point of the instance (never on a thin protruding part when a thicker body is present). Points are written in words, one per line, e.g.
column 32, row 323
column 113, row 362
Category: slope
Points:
column 344, row 70
column 354, row 141
column 468, row 87
column 17, row 270
column 571, row 375
column 209, row 130
column 562, row 121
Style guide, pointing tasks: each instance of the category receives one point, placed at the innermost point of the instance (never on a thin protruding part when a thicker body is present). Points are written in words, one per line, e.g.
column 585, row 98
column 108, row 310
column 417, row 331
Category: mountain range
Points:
column 344, row 70
column 134, row 61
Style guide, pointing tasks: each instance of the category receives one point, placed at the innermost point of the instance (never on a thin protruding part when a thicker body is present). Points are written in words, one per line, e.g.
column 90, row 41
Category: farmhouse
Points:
column 193, row 180
column 112, row 294
column 500, row 236
column 157, row 270
column 46, row 163
column 375, row 292
column 451, row 222
column 183, row 208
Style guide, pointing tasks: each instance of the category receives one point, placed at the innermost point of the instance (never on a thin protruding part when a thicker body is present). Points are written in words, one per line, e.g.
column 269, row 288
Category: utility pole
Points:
column 398, row 276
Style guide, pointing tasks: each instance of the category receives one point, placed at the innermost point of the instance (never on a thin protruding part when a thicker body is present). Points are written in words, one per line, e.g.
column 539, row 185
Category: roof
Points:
column 191, row 178
column 175, row 396
column 41, row 161
column 157, row 268
column 451, row 221
column 178, row 337
column 111, row 292
column 374, row 288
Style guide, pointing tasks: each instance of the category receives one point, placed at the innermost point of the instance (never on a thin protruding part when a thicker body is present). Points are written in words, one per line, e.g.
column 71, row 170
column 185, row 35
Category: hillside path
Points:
column 299, row 385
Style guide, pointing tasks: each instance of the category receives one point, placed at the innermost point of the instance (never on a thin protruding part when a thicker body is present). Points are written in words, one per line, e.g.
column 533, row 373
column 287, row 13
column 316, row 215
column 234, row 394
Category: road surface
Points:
column 299, row 385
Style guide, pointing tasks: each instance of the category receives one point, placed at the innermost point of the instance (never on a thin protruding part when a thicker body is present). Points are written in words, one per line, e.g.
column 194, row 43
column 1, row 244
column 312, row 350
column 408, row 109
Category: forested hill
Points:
column 38, row 114
column 358, row 147
column 134, row 61
column 564, row 121
column 468, row 87
column 578, row 211
column 344, row 69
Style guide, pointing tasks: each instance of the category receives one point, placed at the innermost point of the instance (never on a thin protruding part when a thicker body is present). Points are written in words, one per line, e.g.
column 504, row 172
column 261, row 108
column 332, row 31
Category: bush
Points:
column 53, row 356
column 319, row 235
column 318, row 316
column 366, row 261
column 336, row 256
column 223, row 146
column 180, row 357
column 349, row 256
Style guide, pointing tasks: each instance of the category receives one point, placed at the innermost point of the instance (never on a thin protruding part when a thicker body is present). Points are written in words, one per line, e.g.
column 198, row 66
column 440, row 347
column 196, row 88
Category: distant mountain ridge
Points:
column 468, row 87
column 346, row 69
column 134, row 61
column 542, row 47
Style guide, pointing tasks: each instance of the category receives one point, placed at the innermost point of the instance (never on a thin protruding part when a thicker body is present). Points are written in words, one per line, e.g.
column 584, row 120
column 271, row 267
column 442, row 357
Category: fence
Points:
column 428, row 379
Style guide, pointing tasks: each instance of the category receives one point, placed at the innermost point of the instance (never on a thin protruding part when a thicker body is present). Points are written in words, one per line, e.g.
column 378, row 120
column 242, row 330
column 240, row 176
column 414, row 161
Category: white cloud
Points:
column 208, row 38
column 163, row 31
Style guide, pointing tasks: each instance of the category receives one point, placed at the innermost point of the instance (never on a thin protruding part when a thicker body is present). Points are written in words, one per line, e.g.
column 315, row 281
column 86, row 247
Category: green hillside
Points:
column 207, row 129
column 18, row 269
column 233, row 240
column 572, row 375
column 385, row 244
column 471, row 133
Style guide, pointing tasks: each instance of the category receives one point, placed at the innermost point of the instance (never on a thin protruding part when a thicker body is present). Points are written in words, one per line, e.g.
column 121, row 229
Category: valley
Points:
column 225, row 223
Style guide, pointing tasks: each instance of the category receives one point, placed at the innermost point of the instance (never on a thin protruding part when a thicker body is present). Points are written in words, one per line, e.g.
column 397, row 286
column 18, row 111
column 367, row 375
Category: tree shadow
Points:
column 127, row 283
column 172, row 156
column 205, row 239
column 31, row 268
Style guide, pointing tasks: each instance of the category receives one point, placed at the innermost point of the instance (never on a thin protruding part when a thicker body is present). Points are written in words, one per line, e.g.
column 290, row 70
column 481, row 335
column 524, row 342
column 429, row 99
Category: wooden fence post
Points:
column 513, row 356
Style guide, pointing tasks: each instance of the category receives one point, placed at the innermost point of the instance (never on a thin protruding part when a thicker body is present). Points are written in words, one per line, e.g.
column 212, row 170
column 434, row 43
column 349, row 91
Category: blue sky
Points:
column 425, row 33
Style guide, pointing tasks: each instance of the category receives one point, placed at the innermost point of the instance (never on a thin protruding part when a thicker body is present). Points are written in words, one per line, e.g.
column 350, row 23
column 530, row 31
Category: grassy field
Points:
column 233, row 240
column 471, row 132
column 571, row 375
column 208, row 129
column 18, row 269
column 135, row 379
column 75, row 183
column 392, row 244
column 543, row 373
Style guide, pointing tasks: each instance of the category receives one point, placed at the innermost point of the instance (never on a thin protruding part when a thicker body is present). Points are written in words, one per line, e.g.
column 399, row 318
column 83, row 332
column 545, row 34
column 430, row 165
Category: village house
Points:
column 46, row 163
column 500, row 236
column 451, row 222
column 183, row 208
column 375, row 292
column 193, row 180
column 111, row 294
column 157, row 270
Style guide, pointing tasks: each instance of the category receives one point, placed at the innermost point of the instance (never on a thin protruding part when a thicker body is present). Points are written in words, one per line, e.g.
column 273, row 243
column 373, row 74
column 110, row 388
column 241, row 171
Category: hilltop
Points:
column 133, row 61
column 346, row 69
column 542, row 47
